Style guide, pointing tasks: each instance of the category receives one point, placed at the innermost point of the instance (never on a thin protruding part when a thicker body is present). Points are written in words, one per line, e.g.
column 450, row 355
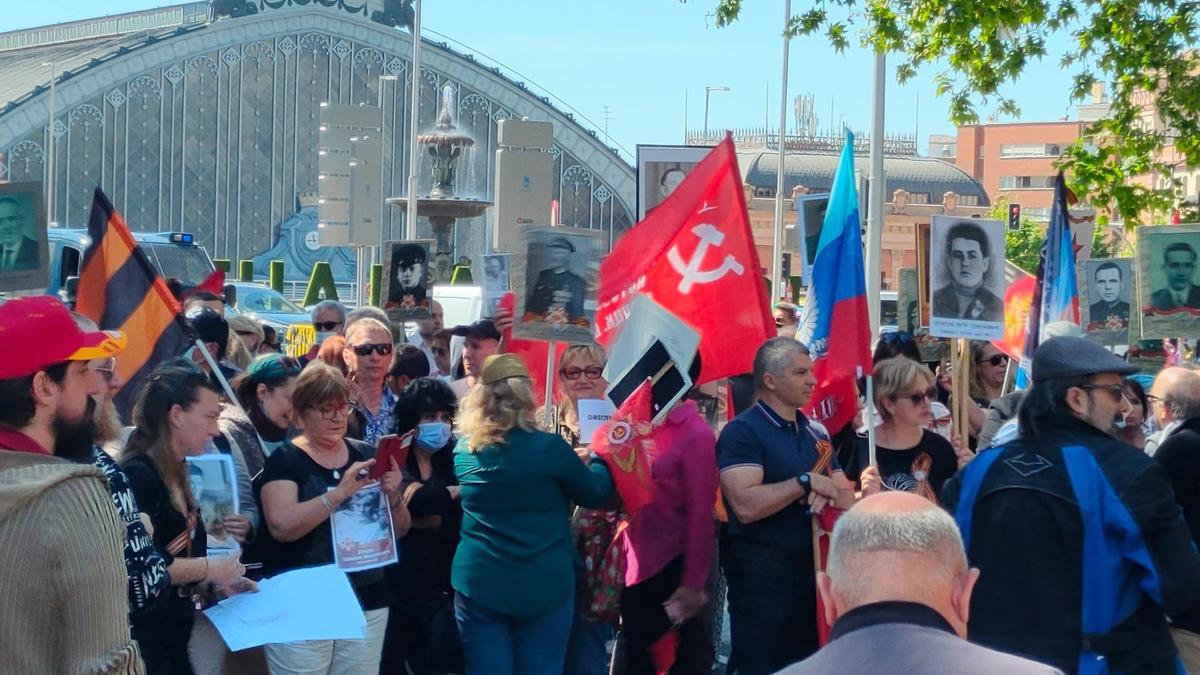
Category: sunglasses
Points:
column 919, row 397
column 326, row 326
column 592, row 372
column 381, row 348
column 998, row 359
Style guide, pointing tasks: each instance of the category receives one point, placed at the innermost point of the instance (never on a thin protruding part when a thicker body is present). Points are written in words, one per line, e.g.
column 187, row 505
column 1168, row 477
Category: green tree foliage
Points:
column 980, row 48
column 1023, row 246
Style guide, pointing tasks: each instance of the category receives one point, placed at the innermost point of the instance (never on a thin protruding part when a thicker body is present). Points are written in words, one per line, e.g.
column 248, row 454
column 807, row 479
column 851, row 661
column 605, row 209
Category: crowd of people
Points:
column 1059, row 536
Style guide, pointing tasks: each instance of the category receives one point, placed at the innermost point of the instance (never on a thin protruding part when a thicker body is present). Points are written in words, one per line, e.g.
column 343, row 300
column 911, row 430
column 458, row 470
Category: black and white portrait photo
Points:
column 22, row 237
column 406, row 279
column 559, row 302
column 213, row 484
column 967, row 274
column 1170, row 295
column 1105, row 295
column 661, row 168
column 494, row 280
column 362, row 530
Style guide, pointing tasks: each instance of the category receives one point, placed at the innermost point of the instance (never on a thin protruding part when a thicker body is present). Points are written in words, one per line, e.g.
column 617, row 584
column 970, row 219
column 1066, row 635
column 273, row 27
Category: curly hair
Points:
column 422, row 396
column 489, row 411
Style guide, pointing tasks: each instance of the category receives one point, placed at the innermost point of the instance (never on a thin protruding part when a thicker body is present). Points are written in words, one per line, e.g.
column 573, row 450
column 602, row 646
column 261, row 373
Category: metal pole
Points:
column 551, row 354
column 876, row 196
column 685, row 111
column 777, row 242
column 410, row 218
column 50, row 150
column 707, row 92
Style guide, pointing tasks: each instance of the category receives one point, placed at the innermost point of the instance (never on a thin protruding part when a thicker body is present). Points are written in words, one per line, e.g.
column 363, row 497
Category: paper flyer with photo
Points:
column 362, row 531
column 214, row 488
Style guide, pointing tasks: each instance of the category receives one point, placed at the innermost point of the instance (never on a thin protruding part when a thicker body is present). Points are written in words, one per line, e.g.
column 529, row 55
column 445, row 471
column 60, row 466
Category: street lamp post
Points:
column 50, row 150
column 410, row 218
column 707, row 91
column 777, row 283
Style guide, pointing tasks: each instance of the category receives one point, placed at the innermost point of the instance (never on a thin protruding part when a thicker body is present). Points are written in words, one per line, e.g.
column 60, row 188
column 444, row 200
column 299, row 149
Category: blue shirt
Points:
column 783, row 450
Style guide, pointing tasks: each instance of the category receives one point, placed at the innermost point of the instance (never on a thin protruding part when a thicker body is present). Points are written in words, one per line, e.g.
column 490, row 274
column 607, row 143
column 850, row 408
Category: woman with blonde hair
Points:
column 908, row 456
column 513, row 573
column 174, row 418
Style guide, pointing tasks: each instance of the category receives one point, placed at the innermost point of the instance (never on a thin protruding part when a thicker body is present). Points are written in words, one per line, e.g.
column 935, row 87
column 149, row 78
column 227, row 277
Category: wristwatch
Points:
column 805, row 482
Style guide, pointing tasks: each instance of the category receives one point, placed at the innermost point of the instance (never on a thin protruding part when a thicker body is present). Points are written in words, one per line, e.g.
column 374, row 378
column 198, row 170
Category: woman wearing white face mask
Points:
column 421, row 632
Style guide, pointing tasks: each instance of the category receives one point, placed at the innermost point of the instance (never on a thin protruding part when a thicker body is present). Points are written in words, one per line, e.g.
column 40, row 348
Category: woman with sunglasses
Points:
column 902, row 343
column 304, row 482
column 421, row 627
column 175, row 417
column 368, row 357
column 909, row 456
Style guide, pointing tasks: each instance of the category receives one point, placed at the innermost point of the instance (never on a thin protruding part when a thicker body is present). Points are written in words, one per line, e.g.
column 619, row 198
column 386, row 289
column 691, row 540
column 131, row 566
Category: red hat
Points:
column 37, row 332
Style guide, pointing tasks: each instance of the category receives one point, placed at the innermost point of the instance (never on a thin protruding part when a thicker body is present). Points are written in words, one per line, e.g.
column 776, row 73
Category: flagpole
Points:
column 414, row 113
column 551, row 356
column 777, row 239
column 875, row 196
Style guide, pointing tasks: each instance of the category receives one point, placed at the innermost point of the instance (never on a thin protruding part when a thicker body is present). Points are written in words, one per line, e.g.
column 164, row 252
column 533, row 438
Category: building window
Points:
column 968, row 200
column 1026, row 182
column 1010, row 150
column 918, row 198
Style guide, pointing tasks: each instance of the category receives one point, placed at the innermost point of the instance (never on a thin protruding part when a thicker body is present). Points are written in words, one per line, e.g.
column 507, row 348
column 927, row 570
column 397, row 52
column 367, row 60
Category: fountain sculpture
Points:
column 445, row 145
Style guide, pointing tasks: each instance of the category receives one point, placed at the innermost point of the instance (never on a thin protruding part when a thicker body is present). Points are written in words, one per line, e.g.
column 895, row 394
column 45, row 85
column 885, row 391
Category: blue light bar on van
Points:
column 181, row 237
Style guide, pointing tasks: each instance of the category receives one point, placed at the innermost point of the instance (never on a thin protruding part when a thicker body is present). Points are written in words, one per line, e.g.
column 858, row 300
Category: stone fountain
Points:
column 445, row 145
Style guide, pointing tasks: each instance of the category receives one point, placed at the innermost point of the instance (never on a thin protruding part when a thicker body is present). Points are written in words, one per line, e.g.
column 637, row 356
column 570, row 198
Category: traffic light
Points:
column 1014, row 216
column 787, row 265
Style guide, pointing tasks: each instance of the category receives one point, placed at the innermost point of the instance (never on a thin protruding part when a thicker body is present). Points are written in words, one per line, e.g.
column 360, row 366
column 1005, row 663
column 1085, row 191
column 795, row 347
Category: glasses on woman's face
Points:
column 996, row 360
column 381, row 348
column 573, row 373
column 917, row 397
column 331, row 412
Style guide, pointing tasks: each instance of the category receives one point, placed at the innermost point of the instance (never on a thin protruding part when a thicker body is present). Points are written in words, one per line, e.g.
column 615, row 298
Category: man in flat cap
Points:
column 1083, row 550
column 557, row 287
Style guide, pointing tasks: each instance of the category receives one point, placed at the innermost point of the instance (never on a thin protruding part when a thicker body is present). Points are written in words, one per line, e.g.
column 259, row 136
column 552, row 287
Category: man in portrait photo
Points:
column 1179, row 264
column 1107, row 284
column 496, row 278
column 409, row 265
column 670, row 179
column 968, row 262
column 18, row 250
column 557, row 287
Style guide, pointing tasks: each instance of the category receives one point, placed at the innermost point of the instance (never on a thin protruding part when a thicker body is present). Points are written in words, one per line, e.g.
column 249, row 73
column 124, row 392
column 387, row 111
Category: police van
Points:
column 173, row 254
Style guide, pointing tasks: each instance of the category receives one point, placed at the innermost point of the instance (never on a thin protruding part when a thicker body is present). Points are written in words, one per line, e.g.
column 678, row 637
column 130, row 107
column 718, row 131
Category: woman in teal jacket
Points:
column 513, row 574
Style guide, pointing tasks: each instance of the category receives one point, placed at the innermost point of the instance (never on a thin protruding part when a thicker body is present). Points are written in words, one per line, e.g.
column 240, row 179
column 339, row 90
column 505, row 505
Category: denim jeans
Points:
column 772, row 607
column 495, row 643
column 589, row 649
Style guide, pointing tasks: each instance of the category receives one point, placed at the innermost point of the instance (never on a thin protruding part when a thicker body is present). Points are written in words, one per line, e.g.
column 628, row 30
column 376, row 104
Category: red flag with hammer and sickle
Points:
column 694, row 255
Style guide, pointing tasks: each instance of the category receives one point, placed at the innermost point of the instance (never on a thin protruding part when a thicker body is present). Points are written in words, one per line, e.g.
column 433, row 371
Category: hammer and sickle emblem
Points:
column 690, row 271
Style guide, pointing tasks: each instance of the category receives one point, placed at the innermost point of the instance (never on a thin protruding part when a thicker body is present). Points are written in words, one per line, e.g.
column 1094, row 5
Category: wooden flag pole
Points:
column 551, row 356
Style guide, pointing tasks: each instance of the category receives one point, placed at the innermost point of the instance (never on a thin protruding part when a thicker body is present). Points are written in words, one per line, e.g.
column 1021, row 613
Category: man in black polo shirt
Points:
column 768, row 457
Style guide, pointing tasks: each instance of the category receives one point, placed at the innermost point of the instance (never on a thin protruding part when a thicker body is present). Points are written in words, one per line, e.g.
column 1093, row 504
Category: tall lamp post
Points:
column 410, row 218
column 50, row 150
column 707, row 91
column 777, row 284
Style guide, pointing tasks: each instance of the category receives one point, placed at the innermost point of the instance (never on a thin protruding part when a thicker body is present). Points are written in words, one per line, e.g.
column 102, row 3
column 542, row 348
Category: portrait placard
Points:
column 1167, row 289
column 494, row 277
column 562, row 267
column 908, row 304
column 214, row 488
column 406, row 279
column 660, row 169
column 1106, row 292
column 24, row 253
column 810, row 217
column 362, row 531
column 966, row 270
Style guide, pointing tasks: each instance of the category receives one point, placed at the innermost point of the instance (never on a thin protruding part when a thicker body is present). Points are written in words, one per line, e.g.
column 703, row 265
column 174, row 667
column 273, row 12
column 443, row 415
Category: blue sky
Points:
column 638, row 57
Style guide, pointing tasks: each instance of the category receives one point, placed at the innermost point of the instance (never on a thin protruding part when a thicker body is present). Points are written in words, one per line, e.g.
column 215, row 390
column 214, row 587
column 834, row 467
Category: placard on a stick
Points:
column 1106, row 295
column 967, row 274
column 561, row 273
column 1167, row 289
column 405, row 294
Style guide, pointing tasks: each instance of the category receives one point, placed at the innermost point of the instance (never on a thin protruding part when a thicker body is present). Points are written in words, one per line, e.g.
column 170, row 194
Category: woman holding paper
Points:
column 303, row 483
column 421, row 629
column 175, row 417
column 514, row 573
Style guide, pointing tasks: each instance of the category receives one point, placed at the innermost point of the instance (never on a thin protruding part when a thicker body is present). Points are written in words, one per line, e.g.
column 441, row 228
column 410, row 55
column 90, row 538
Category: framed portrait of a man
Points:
column 213, row 485
column 23, row 248
column 561, row 270
column 966, row 268
column 660, row 169
column 908, row 307
column 494, row 278
column 1168, row 288
column 406, row 272
column 1105, row 297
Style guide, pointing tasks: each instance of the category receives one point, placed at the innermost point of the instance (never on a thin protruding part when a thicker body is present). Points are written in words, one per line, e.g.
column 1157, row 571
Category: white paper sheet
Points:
column 593, row 413
column 314, row 603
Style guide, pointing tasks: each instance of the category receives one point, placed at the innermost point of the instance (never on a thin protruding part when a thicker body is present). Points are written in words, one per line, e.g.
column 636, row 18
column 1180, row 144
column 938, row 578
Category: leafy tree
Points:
column 1137, row 46
column 1023, row 246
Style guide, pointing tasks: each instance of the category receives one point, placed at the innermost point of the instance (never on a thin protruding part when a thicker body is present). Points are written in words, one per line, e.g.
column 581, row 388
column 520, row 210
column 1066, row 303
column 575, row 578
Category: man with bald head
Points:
column 1168, row 394
column 898, row 593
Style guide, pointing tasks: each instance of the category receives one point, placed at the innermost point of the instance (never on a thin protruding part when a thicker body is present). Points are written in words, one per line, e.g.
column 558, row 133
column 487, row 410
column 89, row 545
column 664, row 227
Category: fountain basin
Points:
column 433, row 208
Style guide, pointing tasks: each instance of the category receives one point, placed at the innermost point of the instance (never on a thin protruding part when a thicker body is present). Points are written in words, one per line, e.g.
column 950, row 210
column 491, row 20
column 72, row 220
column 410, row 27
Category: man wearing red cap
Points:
column 64, row 584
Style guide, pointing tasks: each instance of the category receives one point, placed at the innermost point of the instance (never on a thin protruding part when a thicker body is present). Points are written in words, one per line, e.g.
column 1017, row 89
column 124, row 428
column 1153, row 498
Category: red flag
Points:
column 533, row 352
column 694, row 255
column 213, row 283
column 1018, row 300
column 623, row 444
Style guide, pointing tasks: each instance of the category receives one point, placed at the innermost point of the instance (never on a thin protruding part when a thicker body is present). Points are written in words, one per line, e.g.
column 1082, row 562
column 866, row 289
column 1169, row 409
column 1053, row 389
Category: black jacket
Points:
column 1180, row 456
column 1082, row 548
